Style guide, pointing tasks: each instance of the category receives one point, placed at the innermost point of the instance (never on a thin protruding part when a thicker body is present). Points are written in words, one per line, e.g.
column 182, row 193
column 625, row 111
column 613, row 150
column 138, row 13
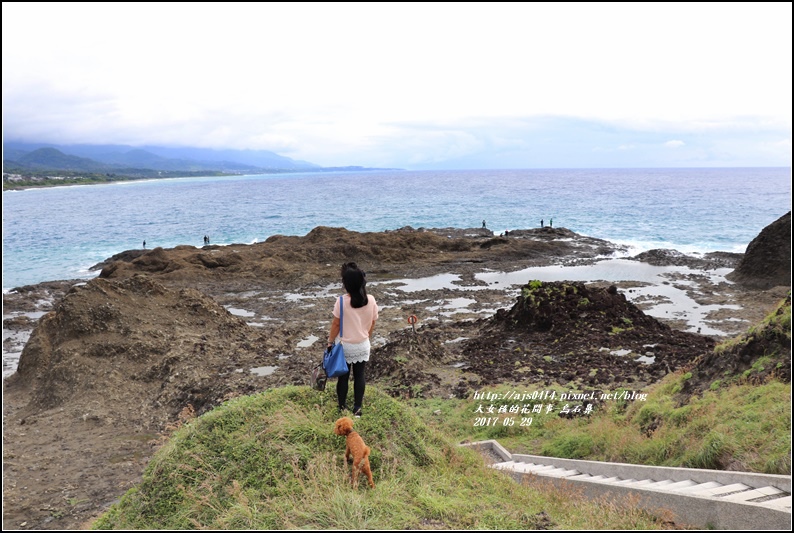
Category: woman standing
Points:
column 359, row 314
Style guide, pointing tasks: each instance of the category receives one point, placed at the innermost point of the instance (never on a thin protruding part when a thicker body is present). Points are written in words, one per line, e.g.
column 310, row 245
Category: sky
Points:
column 410, row 85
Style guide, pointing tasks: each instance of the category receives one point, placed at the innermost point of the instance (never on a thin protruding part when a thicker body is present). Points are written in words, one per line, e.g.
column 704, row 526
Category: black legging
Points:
column 359, row 383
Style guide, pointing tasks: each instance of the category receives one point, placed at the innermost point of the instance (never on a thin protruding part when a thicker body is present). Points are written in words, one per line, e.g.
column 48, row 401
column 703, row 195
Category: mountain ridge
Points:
column 100, row 158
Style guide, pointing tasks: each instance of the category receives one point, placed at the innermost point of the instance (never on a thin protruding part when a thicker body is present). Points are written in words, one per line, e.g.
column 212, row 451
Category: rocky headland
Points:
column 117, row 360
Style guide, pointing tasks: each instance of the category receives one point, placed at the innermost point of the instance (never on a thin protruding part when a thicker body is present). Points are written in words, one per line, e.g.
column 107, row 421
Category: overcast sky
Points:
column 410, row 85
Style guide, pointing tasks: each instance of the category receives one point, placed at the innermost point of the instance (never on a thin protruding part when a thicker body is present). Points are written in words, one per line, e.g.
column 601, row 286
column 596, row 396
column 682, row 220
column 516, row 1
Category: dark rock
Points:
column 558, row 327
column 767, row 260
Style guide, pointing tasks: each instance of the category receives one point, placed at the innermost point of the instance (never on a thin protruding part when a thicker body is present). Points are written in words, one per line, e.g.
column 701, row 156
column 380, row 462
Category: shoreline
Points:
column 622, row 250
column 23, row 312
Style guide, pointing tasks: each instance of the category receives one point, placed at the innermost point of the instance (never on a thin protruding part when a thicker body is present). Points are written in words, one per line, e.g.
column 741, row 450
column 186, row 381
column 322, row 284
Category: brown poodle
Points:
column 356, row 448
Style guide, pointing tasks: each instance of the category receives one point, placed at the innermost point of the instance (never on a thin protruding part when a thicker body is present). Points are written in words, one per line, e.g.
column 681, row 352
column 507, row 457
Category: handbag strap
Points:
column 341, row 315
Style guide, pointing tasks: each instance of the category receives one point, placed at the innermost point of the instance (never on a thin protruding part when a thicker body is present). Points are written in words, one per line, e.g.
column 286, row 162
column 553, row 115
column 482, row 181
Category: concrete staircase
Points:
column 700, row 498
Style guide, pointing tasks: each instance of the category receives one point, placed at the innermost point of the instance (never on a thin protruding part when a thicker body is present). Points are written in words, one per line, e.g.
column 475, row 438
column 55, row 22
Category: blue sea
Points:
column 59, row 233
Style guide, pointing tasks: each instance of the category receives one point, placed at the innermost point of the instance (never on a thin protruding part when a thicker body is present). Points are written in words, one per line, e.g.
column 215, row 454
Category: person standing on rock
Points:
column 541, row 222
column 359, row 313
column 551, row 222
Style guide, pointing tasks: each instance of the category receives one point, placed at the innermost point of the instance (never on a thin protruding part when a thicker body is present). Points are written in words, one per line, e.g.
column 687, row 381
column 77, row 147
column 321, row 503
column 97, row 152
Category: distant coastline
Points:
column 60, row 232
column 36, row 165
column 18, row 181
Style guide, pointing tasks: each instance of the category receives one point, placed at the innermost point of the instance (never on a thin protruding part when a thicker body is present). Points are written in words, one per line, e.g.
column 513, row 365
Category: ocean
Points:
column 60, row 232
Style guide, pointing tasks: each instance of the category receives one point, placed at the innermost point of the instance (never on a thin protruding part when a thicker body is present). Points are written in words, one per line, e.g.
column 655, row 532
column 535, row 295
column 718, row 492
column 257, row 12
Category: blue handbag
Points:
column 334, row 357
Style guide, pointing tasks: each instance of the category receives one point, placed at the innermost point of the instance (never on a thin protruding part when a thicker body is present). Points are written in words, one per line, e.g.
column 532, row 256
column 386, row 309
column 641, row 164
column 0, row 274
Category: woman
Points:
column 360, row 314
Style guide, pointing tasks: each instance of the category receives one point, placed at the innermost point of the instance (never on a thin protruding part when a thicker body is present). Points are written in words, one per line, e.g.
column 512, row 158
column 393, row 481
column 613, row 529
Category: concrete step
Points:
column 729, row 500
column 782, row 504
column 610, row 480
column 722, row 490
column 630, row 481
column 659, row 484
column 700, row 486
column 642, row 483
column 561, row 472
column 680, row 485
column 752, row 494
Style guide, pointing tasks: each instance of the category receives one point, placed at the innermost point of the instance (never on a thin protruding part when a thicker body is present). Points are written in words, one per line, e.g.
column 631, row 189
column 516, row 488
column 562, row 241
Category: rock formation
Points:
column 767, row 260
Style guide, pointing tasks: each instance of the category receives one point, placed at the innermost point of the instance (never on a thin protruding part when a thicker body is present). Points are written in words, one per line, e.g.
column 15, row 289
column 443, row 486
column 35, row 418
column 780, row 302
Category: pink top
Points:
column 357, row 321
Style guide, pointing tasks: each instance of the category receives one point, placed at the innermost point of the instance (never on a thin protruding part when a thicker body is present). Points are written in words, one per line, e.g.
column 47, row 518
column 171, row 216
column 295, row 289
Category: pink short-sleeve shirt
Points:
column 357, row 321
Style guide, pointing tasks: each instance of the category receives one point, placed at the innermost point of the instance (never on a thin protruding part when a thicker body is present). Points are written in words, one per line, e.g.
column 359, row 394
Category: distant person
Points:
column 483, row 224
column 541, row 222
column 359, row 313
column 551, row 222
column 144, row 245
column 507, row 233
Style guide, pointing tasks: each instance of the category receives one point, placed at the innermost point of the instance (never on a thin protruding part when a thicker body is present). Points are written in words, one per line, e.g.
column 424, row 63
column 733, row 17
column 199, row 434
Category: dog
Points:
column 356, row 448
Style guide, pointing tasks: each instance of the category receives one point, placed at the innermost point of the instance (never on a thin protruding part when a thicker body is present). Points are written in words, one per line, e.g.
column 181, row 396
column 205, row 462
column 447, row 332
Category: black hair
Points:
column 354, row 280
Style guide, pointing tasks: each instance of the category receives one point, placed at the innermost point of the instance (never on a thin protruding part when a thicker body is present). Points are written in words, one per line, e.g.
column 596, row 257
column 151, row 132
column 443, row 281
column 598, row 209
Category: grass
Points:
column 271, row 461
column 744, row 426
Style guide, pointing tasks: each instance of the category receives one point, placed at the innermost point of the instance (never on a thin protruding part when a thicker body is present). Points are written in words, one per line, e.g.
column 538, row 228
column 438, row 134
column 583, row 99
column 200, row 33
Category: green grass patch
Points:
column 272, row 461
column 737, row 425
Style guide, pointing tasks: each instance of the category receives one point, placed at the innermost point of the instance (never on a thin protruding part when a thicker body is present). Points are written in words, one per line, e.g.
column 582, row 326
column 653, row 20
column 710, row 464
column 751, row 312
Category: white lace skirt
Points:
column 356, row 353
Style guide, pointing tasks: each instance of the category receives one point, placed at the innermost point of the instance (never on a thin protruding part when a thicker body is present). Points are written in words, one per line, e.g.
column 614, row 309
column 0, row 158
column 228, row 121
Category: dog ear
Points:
column 344, row 425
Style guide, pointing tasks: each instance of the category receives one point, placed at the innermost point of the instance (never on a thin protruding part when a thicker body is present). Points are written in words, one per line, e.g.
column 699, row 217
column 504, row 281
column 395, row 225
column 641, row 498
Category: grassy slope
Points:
column 271, row 461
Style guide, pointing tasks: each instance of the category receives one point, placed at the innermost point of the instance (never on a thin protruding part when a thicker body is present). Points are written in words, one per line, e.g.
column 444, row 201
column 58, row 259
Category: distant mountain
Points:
column 139, row 158
column 253, row 158
column 52, row 159
column 153, row 157
column 150, row 161
column 14, row 154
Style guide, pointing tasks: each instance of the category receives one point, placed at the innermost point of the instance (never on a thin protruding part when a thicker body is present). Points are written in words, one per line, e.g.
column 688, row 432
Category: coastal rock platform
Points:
column 115, row 363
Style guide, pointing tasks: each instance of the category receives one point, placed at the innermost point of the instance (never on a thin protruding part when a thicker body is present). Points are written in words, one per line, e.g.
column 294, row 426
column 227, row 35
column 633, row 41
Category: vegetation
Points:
column 30, row 179
column 744, row 426
column 271, row 461
column 776, row 327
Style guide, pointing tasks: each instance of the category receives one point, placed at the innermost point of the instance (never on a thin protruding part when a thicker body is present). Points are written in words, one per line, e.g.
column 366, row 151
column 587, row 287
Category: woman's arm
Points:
column 334, row 330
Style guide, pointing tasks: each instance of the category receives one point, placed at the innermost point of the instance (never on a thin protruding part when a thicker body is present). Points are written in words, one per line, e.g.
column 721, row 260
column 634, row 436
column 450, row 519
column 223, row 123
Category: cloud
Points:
column 398, row 85
column 553, row 141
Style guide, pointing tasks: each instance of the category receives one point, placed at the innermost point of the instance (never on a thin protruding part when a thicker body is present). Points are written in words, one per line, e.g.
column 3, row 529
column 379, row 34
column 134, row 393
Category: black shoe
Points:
column 342, row 409
column 357, row 412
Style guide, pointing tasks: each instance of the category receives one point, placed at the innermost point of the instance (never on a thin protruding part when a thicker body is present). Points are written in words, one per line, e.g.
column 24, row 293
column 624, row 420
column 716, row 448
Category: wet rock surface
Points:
column 115, row 360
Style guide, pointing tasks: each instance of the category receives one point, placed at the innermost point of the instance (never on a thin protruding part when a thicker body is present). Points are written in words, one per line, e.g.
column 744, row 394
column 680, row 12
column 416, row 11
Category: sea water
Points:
column 60, row 232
